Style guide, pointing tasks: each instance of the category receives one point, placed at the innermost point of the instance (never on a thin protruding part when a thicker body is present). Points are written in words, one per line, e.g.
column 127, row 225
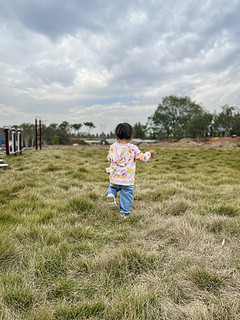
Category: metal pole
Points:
column 36, row 134
column 19, row 140
column 40, row 134
column 13, row 141
column 7, row 142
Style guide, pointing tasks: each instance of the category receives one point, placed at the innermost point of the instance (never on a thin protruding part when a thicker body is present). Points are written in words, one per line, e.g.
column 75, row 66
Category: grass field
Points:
column 64, row 255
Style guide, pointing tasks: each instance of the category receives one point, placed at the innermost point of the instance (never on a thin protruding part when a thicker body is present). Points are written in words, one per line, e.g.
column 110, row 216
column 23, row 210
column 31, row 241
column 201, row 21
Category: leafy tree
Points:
column 90, row 126
column 76, row 127
column 139, row 130
column 28, row 134
column 236, row 125
column 49, row 132
column 224, row 121
column 64, row 132
column 200, row 126
column 173, row 115
column 55, row 140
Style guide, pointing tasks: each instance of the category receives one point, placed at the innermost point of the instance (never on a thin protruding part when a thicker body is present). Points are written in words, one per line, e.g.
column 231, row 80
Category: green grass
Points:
column 64, row 255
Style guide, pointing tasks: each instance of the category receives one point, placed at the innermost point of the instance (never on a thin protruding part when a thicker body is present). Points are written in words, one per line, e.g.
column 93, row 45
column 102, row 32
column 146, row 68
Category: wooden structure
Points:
column 13, row 141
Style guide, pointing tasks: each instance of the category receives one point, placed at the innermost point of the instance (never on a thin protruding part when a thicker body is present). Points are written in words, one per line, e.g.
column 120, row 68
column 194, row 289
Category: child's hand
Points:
column 153, row 153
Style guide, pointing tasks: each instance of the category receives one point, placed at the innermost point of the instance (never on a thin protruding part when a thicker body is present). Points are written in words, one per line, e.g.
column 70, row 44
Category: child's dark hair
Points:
column 124, row 131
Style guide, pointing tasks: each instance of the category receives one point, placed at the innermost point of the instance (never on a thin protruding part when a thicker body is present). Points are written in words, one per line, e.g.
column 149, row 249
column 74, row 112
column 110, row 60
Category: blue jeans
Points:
column 126, row 196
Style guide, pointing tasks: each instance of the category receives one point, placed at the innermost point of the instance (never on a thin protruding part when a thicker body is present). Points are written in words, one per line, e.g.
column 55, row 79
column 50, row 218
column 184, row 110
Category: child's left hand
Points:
column 153, row 153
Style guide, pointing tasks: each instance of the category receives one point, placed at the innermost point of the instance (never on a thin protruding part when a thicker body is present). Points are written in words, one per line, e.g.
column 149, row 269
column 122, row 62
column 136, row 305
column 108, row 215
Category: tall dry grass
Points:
column 64, row 255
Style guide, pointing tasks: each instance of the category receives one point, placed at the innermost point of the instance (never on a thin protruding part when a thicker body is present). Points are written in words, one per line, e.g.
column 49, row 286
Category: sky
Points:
column 111, row 61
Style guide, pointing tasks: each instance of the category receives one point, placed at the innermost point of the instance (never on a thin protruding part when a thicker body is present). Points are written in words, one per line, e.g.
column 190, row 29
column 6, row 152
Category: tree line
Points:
column 175, row 118
column 56, row 133
column 180, row 117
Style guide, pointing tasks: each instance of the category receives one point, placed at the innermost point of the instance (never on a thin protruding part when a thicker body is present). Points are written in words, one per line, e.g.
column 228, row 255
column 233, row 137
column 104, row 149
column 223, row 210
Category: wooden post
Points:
column 36, row 133
column 40, row 134
column 7, row 142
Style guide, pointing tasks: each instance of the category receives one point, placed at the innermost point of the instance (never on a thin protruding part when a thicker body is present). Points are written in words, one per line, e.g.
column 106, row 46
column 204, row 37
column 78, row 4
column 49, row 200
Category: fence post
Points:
column 19, row 140
column 40, row 134
column 7, row 142
column 13, row 131
column 36, row 134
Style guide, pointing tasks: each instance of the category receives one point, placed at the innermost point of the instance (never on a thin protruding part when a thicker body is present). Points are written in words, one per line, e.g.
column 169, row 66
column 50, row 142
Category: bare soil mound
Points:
column 216, row 142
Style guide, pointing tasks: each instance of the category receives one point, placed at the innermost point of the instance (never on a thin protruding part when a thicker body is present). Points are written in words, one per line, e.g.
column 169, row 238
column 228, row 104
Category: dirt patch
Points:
column 217, row 142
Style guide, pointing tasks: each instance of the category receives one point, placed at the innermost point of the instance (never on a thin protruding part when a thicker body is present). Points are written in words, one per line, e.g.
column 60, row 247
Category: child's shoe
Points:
column 111, row 201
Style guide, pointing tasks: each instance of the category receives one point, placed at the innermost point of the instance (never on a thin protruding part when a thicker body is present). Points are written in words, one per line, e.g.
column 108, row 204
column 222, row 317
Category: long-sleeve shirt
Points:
column 123, row 162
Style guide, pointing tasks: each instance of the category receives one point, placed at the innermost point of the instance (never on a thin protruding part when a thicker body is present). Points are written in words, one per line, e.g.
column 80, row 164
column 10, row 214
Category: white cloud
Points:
column 9, row 116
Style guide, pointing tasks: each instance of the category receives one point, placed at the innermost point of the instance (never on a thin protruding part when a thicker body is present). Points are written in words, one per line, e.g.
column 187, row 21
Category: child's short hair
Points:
column 124, row 131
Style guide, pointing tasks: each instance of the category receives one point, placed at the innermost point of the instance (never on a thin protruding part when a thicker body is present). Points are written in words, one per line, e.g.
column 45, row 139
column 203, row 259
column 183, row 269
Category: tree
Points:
column 200, row 126
column 224, row 121
column 236, row 125
column 49, row 132
column 173, row 115
column 139, row 130
column 76, row 127
column 55, row 140
column 90, row 126
column 28, row 134
column 64, row 132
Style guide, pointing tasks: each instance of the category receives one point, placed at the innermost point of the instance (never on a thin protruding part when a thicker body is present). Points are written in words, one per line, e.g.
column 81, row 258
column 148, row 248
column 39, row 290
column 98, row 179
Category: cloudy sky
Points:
column 108, row 61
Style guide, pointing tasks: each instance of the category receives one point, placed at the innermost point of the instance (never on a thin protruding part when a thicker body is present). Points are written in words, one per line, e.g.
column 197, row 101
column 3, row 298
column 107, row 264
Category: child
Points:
column 123, row 156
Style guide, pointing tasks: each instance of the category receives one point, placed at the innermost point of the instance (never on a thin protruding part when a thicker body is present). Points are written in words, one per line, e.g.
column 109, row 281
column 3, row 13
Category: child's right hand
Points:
column 153, row 153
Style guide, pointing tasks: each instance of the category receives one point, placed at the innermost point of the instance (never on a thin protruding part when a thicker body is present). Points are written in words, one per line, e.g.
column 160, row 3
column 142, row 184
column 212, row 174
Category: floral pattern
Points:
column 123, row 166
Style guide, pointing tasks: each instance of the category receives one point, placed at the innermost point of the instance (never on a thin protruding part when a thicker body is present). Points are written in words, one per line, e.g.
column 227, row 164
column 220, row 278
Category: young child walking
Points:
column 123, row 155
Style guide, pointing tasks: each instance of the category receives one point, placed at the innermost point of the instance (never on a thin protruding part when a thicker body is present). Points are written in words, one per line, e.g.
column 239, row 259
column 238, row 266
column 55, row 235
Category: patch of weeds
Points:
column 65, row 185
column 78, row 232
column 206, row 279
column 27, row 206
column 9, row 218
column 179, row 166
column 236, row 261
column 131, row 220
column 19, row 298
column 40, row 313
column 93, row 196
column 82, row 248
column 82, row 310
column 82, row 169
column 15, row 292
column 80, row 175
column 227, row 210
column 81, row 205
column 5, row 195
column 51, row 167
column 223, row 224
column 141, row 303
column 44, row 216
column 35, row 234
column 10, row 252
column 175, row 207
column 21, row 169
column 160, row 194
column 127, row 262
column 51, row 263
column 61, row 288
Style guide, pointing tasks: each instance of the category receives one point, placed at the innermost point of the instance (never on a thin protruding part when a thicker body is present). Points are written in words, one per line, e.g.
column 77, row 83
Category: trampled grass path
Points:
column 64, row 255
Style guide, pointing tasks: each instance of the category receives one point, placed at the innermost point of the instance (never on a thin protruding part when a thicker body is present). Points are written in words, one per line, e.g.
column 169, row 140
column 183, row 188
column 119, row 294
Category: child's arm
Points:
column 144, row 157
column 110, row 154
